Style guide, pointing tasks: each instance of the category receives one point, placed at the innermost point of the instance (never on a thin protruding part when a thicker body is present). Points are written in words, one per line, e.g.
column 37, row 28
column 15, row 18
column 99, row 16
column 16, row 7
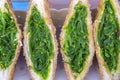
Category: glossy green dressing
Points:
column 8, row 41
column 40, row 44
column 76, row 44
column 108, row 37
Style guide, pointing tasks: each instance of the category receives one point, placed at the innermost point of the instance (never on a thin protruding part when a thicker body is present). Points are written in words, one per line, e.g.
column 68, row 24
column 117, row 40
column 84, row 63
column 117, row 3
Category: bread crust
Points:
column 91, row 43
column 104, row 72
column 46, row 15
column 12, row 67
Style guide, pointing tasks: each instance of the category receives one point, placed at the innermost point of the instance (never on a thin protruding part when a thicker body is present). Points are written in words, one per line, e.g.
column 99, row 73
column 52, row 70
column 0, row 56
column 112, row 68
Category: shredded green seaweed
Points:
column 108, row 37
column 40, row 43
column 76, row 44
column 8, row 41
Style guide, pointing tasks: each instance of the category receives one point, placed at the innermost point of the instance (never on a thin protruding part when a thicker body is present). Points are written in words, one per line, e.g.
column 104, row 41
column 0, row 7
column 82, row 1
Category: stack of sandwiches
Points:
column 80, row 38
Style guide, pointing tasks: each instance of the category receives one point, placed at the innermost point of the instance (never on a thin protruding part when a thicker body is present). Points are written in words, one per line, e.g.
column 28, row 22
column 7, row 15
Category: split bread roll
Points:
column 10, row 40
column 76, row 39
column 107, row 40
column 40, row 44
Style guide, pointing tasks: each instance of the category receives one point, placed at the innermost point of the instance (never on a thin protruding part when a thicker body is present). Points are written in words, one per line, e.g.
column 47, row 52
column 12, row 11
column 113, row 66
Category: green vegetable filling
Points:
column 108, row 37
column 8, row 41
column 40, row 44
column 76, row 44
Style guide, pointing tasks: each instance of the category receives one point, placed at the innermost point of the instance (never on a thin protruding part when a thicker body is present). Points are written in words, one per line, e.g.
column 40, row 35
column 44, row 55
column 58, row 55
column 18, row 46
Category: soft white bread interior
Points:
column 88, row 62
column 104, row 72
column 43, row 7
column 8, row 73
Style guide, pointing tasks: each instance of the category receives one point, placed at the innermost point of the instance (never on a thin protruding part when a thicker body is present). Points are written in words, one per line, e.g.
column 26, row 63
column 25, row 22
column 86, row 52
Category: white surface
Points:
column 22, row 72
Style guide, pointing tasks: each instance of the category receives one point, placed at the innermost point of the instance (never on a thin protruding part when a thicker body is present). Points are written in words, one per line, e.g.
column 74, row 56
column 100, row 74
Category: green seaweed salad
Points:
column 76, row 43
column 40, row 44
column 108, row 37
column 8, row 40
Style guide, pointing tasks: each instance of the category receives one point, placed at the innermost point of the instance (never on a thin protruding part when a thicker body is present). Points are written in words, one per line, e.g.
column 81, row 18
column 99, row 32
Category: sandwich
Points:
column 10, row 40
column 107, row 40
column 76, row 39
column 40, row 44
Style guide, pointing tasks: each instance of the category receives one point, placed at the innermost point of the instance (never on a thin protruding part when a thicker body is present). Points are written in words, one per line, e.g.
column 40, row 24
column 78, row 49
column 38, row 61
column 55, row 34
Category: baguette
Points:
column 46, row 27
column 107, row 55
column 79, row 11
column 10, row 40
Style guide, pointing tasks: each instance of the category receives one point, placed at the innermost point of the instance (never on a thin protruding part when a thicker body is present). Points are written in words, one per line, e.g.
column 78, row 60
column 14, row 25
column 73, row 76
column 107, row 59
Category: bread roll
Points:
column 40, row 44
column 10, row 40
column 76, row 39
column 107, row 41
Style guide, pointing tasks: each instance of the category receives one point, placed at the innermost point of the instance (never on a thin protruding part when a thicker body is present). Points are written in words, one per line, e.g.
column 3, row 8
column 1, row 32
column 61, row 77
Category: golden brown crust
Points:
column 104, row 73
column 67, row 67
column 90, row 29
column 12, row 66
column 95, row 26
column 25, row 34
column 53, row 33
column 46, row 6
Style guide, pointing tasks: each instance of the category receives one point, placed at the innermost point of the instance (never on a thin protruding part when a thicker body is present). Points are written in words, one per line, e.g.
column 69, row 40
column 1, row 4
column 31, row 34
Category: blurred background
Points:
column 57, row 4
